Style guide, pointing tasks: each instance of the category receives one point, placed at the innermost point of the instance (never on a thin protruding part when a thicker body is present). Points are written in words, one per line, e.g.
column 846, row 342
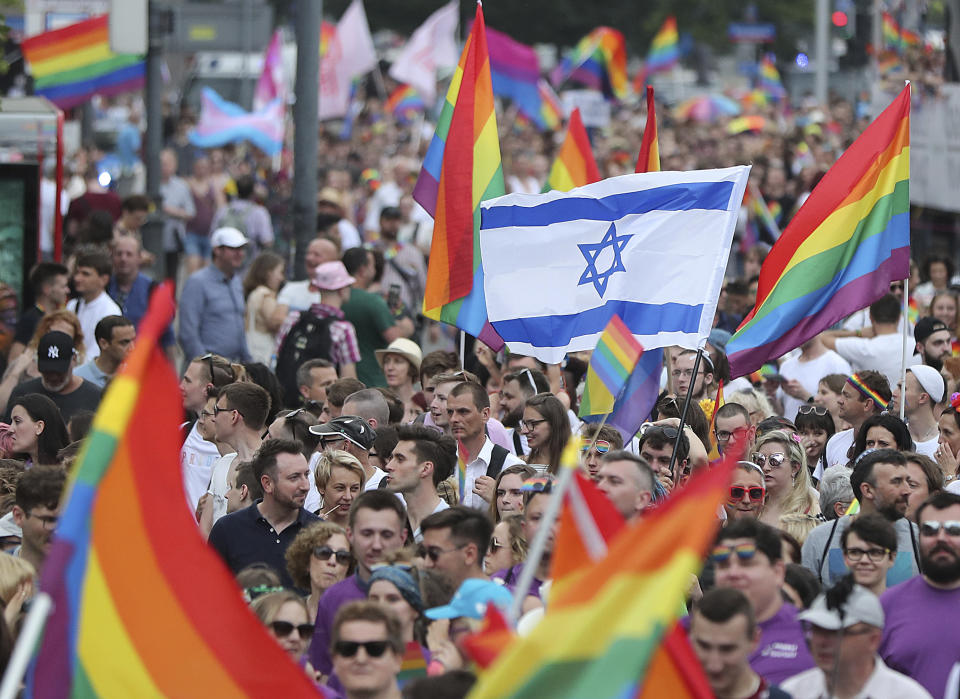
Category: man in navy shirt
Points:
column 262, row 532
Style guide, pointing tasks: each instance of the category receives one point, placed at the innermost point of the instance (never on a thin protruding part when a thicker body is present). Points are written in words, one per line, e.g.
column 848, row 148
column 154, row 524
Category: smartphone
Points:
column 393, row 297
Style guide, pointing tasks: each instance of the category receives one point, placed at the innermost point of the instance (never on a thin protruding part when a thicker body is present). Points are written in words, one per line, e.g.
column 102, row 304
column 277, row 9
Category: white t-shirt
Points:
column 928, row 448
column 441, row 506
column 373, row 482
column 297, row 295
column 837, row 448
column 883, row 683
column 218, row 485
column 196, row 463
column 882, row 353
column 89, row 315
column 477, row 468
column 809, row 374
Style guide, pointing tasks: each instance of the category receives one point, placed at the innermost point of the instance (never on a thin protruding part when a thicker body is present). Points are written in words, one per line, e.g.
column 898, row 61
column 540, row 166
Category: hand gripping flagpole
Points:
column 683, row 415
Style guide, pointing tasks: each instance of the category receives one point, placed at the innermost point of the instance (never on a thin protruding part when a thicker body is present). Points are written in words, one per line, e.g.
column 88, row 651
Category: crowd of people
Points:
column 324, row 416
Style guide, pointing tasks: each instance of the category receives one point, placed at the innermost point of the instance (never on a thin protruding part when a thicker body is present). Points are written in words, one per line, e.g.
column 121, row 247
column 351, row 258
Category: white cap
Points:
column 228, row 237
column 860, row 607
column 930, row 380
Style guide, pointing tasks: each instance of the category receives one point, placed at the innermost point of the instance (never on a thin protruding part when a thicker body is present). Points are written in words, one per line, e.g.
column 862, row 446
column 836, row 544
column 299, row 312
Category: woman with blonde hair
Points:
column 756, row 403
column 339, row 477
column 285, row 615
column 16, row 587
column 784, row 463
column 318, row 558
column 508, row 545
column 24, row 367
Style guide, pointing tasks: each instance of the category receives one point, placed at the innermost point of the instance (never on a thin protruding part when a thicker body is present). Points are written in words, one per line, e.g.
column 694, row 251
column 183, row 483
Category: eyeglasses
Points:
column 348, row 649
column 434, row 552
column 217, row 410
column 495, row 545
column 775, row 460
column 744, row 552
column 737, row 492
column 323, row 553
column 810, row 629
column 48, row 521
column 207, row 413
column 601, row 446
column 808, row 408
column 874, row 554
column 932, row 528
column 896, row 286
column 282, row 629
column 531, row 424
column 325, row 441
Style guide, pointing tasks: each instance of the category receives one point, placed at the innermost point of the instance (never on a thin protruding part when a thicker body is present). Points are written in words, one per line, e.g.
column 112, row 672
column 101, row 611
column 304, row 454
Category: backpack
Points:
column 309, row 338
column 235, row 217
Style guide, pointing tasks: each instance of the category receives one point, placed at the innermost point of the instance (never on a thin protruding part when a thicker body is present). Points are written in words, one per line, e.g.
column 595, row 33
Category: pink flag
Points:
column 432, row 46
column 272, row 83
column 351, row 53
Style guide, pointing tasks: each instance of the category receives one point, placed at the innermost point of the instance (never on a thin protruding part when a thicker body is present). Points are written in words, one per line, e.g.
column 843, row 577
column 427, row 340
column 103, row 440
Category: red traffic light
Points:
column 839, row 19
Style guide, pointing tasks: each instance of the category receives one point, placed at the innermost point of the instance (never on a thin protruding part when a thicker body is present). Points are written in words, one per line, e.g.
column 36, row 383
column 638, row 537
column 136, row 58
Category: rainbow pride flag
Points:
column 404, row 103
column 896, row 37
column 142, row 606
column 462, row 168
column 599, row 61
column 72, row 64
column 768, row 79
column 634, row 404
column 665, row 47
column 649, row 158
column 610, row 367
column 551, row 110
column 841, row 250
column 413, row 664
column 605, row 623
column 574, row 165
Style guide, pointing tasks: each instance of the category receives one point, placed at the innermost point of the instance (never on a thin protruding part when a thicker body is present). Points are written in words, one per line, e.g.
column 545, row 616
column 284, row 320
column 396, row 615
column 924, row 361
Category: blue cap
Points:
column 719, row 338
column 471, row 600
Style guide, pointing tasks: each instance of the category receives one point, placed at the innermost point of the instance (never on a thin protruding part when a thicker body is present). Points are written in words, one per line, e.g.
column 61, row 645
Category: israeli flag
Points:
column 650, row 247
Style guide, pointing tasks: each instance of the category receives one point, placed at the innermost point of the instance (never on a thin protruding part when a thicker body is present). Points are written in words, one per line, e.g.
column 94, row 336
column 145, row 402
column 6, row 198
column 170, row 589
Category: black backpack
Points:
column 309, row 338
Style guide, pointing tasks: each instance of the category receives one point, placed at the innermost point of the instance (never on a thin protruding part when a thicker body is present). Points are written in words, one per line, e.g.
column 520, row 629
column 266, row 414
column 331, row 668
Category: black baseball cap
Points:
column 926, row 327
column 54, row 352
column 351, row 427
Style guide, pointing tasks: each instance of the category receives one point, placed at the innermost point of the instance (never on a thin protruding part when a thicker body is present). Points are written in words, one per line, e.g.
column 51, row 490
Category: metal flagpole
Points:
column 27, row 642
column 903, row 349
column 683, row 415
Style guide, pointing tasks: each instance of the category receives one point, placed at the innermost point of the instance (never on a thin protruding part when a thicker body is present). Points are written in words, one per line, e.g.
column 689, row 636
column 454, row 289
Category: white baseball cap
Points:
column 228, row 237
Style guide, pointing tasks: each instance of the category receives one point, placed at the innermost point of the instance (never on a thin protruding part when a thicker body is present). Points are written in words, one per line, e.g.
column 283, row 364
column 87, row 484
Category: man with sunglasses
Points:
column 879, row 482
column 922, row 634
column 367, row 649
column 354, row 435
column 597, row 440
column 748, row 556
column 844, row 628
column 627, row 480
column 376, row 530
column 455, row 542
column 421, row 459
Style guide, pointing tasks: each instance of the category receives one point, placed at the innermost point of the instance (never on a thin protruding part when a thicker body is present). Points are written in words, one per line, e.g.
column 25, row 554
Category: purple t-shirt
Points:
column 336, row 596
column 782, row 651
column 921, row 636
column 511, row 576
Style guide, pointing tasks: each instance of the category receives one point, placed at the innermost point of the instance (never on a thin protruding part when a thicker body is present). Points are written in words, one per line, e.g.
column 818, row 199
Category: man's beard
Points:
column 941, row 572
column 512, row 419
column 935, row 362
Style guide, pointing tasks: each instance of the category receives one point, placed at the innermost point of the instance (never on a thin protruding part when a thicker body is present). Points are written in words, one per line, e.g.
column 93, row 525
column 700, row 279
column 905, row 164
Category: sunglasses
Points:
column 775, row 460
column 932, row 528
column 647, row 429
column 737, row 492
column 434, row 552
column 324, row 552
column 896, row 286
column 808, row 408
column 282, row 629
column 495, row 545
column 348, row 649
column 601, row 446
column 744, row 552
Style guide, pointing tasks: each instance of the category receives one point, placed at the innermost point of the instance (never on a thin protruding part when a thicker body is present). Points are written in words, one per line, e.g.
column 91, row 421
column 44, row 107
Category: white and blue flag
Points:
column 650, row 247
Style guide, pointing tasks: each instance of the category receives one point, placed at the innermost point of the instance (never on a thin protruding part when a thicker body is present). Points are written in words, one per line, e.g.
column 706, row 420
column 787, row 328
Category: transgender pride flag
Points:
column 223, row 122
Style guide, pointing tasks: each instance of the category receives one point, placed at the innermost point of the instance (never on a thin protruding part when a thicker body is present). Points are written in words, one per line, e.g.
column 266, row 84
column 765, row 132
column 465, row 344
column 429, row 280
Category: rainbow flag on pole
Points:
column 71, row 64
column 896, row 37
column 142, row 606
column 404, row 104
column 605, row 624
column 840, row 252
column 574, row 165
column 599, row 61
column 649, row 158
column 768, row 79
column 611, row 364
column 664, row 53
column 462, row 168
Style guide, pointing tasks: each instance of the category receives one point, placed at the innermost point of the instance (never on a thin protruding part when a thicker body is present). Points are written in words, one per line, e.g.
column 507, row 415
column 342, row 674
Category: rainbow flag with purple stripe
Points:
column 413, row 664
column 768, row 79
column 896, row 37
column 841, row 250
column 142, row 606
column 599, row 61
column 610, row 367
column 72, row 64
column 635, row 403
column 665, row 48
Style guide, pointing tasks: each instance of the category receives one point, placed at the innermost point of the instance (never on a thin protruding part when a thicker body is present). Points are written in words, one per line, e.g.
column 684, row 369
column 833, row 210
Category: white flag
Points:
column 351, row 53
column 651, row 248
column 433, row 46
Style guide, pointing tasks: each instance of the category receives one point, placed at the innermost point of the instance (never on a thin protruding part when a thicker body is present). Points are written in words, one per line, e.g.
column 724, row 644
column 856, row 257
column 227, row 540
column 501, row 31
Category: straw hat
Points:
column 408, row 349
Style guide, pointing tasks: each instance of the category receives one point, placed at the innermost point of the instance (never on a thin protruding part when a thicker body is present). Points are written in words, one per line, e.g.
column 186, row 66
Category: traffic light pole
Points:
column 822, row 46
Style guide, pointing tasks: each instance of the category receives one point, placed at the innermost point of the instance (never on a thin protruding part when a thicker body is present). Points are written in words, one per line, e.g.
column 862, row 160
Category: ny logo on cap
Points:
column 53, row 352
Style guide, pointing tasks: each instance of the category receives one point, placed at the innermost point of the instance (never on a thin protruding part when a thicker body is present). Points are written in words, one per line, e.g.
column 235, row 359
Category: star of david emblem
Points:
column 591, row 252
column 53, row 352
